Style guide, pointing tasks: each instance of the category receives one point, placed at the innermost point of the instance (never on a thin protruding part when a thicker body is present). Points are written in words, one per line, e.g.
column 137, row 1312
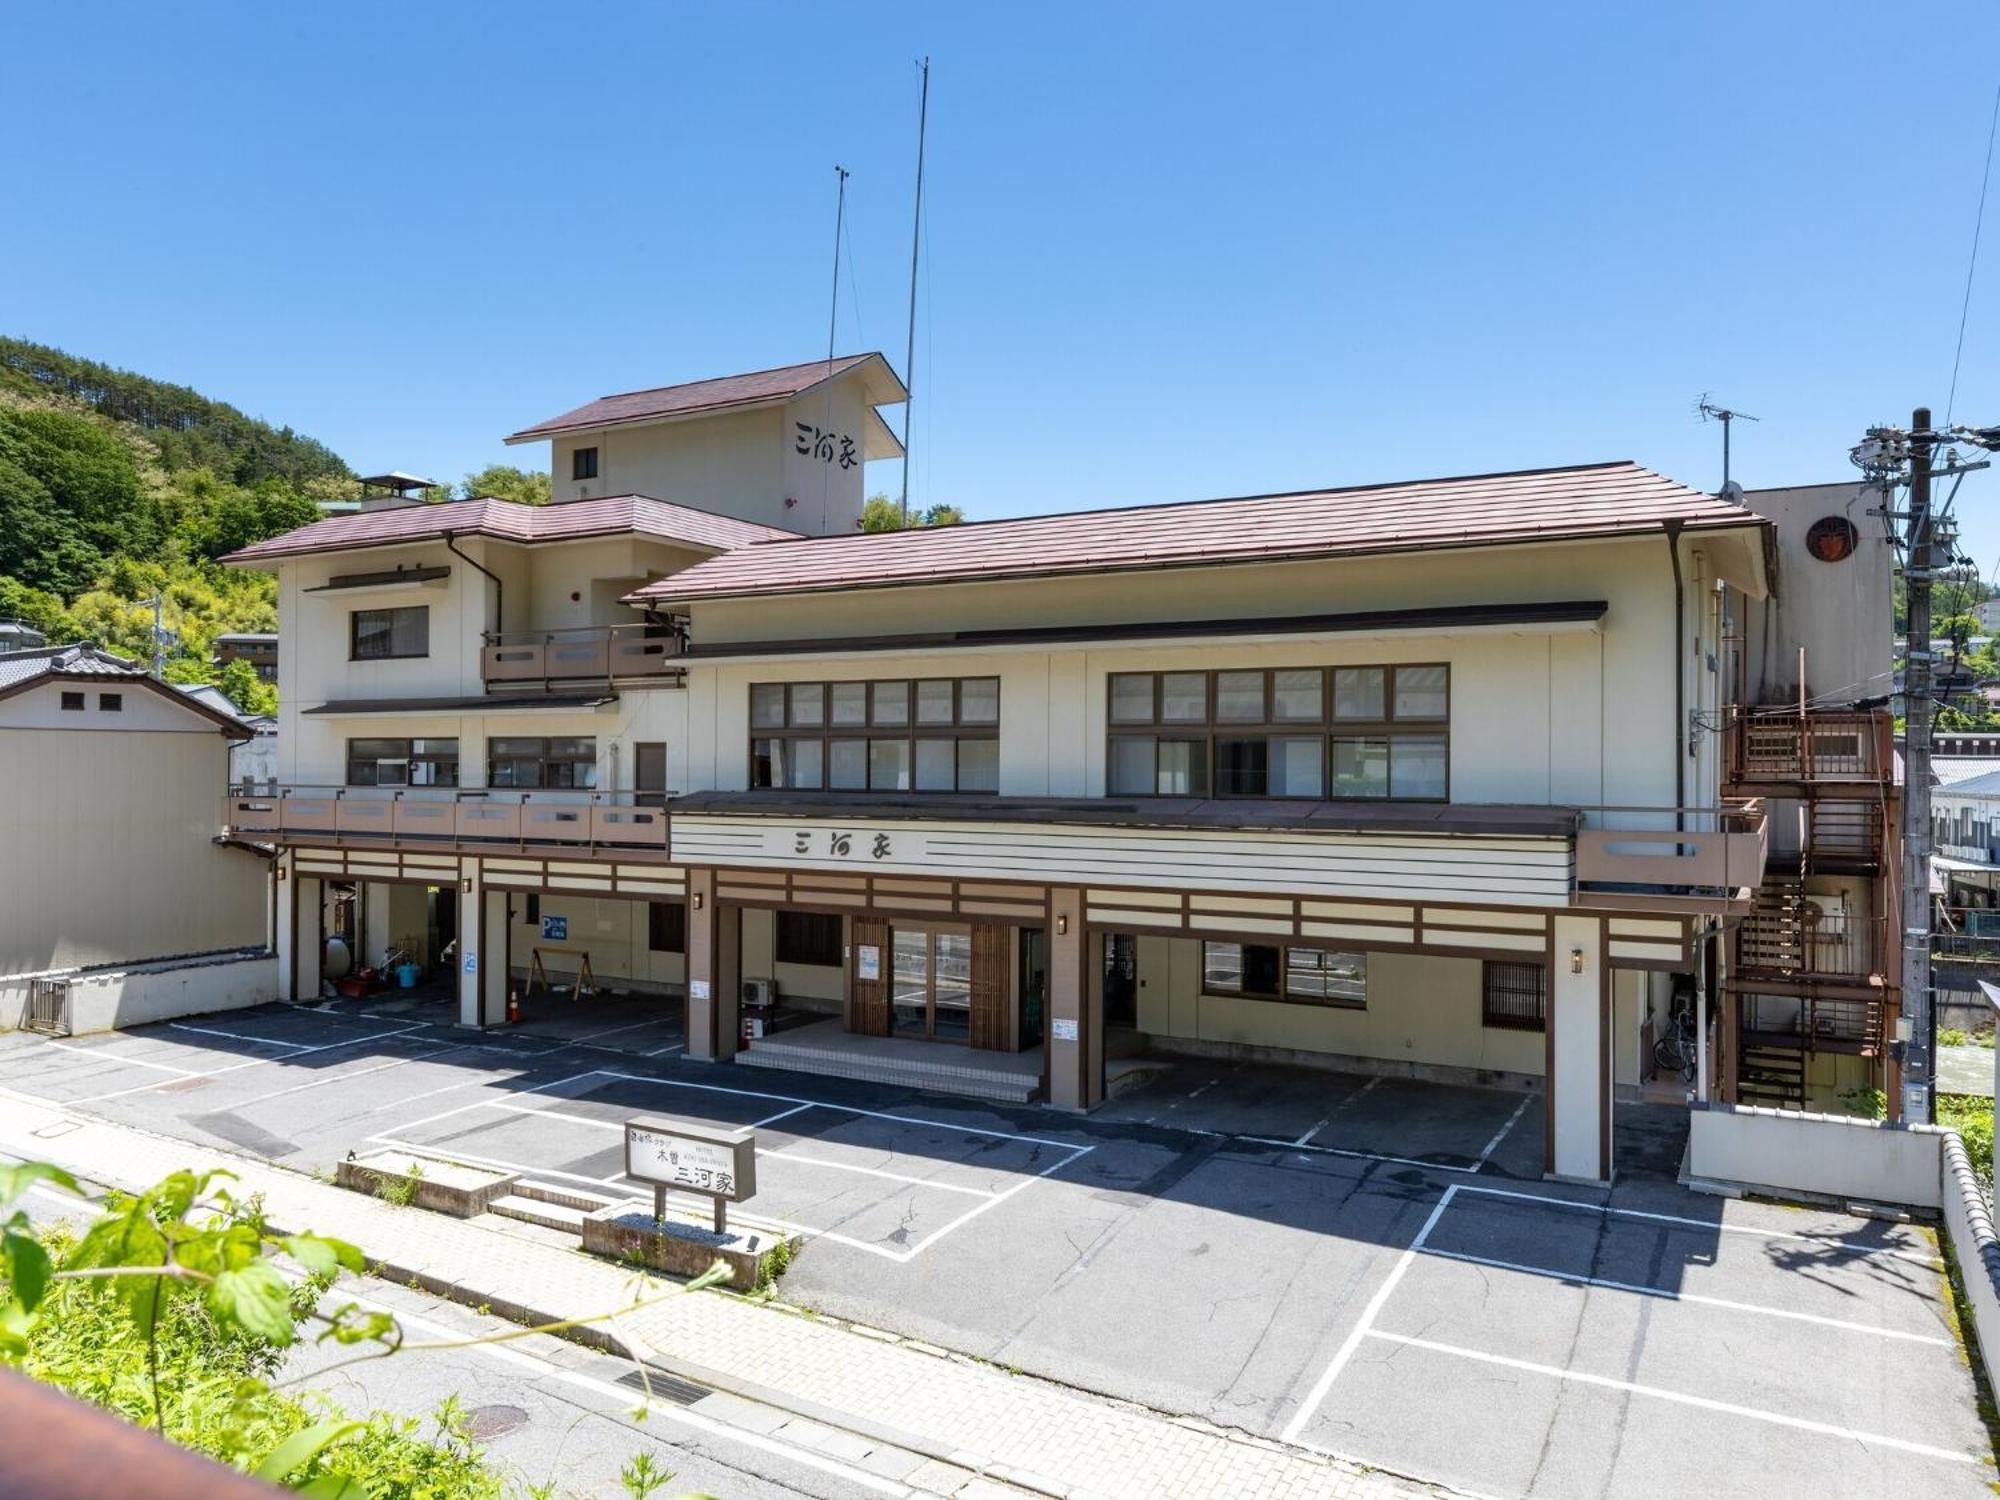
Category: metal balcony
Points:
column 1776, row 746
column 516, row 660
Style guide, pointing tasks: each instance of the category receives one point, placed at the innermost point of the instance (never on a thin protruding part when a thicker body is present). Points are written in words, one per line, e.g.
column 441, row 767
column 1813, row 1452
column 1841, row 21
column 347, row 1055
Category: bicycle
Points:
column 1675, row 1051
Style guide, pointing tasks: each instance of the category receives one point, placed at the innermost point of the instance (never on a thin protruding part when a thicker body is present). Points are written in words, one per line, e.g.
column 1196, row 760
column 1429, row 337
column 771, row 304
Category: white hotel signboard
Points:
column 1517, row 869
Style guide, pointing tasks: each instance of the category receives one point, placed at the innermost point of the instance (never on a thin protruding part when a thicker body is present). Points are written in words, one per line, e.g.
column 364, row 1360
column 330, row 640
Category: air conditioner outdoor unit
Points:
column 762, row 993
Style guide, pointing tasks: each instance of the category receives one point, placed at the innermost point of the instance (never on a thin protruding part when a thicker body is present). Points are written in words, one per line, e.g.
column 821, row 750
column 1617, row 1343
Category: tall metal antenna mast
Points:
column 1710, row 412
column 833, row 327
column 916, row 239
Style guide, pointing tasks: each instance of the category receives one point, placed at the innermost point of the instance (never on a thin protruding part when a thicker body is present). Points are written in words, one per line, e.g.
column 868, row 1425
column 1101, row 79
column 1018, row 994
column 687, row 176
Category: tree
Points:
column 242, row 686
column 505, row 482
column 880, row 513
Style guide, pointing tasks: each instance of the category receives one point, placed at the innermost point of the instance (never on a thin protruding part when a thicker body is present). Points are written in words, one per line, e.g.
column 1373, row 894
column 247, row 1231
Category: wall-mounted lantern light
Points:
column 465, row 886
column 1576, row 960
column 697, row 900
column 1062, row 924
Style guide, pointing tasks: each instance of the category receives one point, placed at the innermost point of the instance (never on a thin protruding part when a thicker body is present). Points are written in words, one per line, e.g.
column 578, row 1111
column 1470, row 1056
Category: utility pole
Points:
column 1920, row 1054
column 916, row 240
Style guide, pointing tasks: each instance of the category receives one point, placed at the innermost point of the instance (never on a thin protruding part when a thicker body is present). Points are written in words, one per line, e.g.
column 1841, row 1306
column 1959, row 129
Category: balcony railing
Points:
column 1772, row 745
column 1635, row 848
column 444, row 816
column 1813, row 1023
column 1805, row 943
column 593, row 653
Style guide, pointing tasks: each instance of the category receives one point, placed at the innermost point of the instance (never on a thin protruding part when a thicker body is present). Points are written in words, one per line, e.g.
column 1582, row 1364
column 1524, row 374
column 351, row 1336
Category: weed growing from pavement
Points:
column 400, row 1190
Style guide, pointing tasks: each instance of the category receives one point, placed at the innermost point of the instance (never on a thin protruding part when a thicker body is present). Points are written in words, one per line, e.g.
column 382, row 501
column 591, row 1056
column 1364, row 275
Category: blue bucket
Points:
column 407, row 976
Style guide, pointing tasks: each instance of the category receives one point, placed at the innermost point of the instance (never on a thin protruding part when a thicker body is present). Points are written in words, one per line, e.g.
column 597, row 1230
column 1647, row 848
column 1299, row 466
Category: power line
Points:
column 1978, row 222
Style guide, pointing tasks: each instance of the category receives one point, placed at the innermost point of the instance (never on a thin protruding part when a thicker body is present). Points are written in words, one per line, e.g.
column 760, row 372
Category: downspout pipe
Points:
column 1673, row 531
column 451, row 546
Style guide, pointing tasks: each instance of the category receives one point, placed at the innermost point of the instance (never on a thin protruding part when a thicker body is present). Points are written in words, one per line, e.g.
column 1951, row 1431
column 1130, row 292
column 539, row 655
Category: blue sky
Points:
column 1172, row 252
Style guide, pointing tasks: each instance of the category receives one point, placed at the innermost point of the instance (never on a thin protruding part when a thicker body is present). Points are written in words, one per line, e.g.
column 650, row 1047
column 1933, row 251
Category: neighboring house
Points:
column 115, row 859
column 253, row 762
column 258, row 648
column 18, row 635
column 1455, row 779
column 1987, row 612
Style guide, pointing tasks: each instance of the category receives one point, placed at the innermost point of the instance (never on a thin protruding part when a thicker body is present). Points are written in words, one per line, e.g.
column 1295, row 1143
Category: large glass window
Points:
column 936, row 734
column 565, row 761
column 1307, row 976
column 930, row 990
column 1304, row 732
column 425, row 762
column 384, row 634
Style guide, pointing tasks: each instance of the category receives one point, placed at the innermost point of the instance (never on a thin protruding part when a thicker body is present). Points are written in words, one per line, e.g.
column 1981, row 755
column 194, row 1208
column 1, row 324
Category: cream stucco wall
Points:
column 744, row 464
column 1422, row 1012
column 110, row 854
column 1570, row 714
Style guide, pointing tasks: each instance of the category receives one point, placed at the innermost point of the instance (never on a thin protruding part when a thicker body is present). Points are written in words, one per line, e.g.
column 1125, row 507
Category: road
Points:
column 549, row 1411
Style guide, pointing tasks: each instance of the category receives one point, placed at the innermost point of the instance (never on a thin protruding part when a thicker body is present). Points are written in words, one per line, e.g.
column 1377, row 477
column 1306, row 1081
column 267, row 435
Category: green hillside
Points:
column 115, row 487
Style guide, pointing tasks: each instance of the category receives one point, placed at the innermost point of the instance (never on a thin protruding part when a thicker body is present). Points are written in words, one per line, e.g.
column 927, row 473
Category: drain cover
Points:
column 666, row 1387
column 485, row 1423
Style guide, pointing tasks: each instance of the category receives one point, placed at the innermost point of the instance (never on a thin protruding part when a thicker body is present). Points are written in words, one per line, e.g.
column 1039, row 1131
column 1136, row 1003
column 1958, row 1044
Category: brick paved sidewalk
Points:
column 1014, row 1428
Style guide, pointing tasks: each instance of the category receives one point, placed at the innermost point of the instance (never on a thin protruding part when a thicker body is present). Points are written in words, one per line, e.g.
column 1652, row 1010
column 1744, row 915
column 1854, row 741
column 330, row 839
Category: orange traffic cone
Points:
column 513, row 1007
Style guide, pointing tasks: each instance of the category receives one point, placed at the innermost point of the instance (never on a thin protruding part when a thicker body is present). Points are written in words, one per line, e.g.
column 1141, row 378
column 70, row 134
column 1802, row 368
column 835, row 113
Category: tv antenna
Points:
column 1708, row 411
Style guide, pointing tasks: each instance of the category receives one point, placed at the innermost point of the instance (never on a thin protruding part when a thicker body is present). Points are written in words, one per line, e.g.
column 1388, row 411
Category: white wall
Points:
column 139, row 995
column 1824, row 1156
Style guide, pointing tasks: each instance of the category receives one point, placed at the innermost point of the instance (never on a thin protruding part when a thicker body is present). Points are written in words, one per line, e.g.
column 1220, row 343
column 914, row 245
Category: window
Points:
column 111, row 703
column 1308, row 976
column 72, row 703
column 566, row 761
column 805, row 937
column 583, row 463
column 1514, row 996
column 1309, row 732
column 933, row 734
column 667, row 926
column 385, row 634
column 402, row 762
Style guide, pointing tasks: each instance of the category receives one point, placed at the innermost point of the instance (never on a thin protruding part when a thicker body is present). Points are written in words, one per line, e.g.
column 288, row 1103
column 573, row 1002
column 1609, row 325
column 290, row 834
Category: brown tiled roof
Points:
column 1476, row 510
column 725, row 391
column 613, row 515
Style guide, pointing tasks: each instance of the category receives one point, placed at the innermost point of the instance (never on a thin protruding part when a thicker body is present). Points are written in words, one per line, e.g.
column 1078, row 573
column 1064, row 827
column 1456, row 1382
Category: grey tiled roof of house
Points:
column 70, row 661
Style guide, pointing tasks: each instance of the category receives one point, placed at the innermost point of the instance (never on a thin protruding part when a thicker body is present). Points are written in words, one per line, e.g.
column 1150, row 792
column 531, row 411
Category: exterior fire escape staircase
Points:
column 1810, row 972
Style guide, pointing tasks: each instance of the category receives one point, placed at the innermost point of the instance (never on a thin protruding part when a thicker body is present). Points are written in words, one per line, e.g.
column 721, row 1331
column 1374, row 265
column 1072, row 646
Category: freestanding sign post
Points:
column 717, row 1161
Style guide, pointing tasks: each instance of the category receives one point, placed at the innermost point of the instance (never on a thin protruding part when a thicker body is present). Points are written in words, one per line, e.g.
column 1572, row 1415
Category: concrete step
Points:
column 539, row 1211
column 568, row 1197
column 997, row 1085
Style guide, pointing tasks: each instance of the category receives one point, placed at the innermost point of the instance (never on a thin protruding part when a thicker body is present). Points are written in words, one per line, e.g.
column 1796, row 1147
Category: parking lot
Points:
column 1370, row 1267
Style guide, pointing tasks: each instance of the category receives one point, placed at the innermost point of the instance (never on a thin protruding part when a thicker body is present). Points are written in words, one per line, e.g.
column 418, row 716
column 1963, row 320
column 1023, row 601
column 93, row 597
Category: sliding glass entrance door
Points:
column 930, row 992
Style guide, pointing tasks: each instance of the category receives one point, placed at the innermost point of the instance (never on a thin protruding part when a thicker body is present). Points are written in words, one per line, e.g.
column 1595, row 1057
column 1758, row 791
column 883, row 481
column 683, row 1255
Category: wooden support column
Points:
column 1579, row 1051
column 1075, row 1037
column 714, row 970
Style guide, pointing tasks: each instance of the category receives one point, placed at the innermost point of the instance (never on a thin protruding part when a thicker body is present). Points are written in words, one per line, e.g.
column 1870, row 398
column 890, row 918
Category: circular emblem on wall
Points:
column 1831, row 538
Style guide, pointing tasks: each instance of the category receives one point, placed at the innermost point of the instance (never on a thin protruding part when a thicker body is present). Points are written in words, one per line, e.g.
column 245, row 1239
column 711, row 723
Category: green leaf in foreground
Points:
column 256, row 1299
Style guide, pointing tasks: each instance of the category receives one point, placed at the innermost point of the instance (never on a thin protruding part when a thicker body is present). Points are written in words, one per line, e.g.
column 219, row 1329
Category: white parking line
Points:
column 1574, row 1278
column 299, row 1051
column 320, row 1083
column 101, row 1055
column 1501, row 1134
column 1716, row 1227
column 1071, row 1151
column 844, row 1166
column 783, row 1114
column 1348, row 1345
column 1680, row 1398
column 1364, row 1326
